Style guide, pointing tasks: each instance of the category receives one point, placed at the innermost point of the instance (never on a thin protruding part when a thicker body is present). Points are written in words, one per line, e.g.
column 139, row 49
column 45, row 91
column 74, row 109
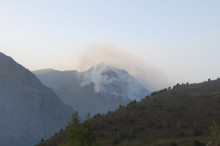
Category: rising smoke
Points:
column 108, row 53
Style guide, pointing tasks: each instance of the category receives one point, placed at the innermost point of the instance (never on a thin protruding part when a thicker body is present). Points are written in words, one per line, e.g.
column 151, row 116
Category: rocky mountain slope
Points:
column 29, row 110
column 97, row 90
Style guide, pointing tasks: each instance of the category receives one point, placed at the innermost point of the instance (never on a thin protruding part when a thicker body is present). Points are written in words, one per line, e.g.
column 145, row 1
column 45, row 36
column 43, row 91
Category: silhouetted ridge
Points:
column 15, row 72
column 29, row 110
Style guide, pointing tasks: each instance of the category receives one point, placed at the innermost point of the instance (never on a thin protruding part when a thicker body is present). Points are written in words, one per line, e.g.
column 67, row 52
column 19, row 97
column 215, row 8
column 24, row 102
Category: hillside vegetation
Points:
column 184, row 115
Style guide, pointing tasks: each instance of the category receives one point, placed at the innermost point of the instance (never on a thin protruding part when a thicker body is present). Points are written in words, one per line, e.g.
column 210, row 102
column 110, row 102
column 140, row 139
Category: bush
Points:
column 120, row 106
column 196, row 130
column 131, row 133
column 197, row 143
column 131, row 121
column 117, row 138
column 159, row 127
column 97, row 115
column 101, row 135
column 42, row 140
column 215, row 131
column 182, row 134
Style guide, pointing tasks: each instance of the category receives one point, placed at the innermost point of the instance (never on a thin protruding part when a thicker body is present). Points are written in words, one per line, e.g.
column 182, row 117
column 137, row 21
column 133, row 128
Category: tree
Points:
column 120, row 106
column 80, row 134
column 215, row 132
column 87, row 135
column 73, row 130
column 42, row 140
column 196, row 129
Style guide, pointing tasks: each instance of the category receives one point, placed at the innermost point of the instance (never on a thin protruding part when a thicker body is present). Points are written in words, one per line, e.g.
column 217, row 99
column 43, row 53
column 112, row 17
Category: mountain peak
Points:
column 112, row 81
column 102, row 64
column 6, row 62
column 43, row 71
column 97, row 90
column 11, row 70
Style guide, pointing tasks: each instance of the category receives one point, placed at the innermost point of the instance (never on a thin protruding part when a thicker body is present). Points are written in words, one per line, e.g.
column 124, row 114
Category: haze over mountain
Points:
column 29, row 110
column 97, row 90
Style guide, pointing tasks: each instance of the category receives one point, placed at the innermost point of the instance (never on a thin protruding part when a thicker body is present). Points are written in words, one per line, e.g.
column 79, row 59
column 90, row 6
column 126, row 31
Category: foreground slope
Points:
column 97, row 90
column 29, row 111
column 181, row 115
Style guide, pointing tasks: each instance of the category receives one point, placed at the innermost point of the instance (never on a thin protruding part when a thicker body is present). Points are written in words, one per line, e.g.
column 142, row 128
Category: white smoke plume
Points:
column 108, row 53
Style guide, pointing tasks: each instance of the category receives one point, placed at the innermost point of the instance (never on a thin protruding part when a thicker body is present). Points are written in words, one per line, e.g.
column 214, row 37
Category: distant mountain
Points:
column 29, row 110
column 97, row 90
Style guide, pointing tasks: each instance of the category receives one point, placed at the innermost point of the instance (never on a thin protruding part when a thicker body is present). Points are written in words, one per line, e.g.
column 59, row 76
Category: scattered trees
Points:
column 159, row 92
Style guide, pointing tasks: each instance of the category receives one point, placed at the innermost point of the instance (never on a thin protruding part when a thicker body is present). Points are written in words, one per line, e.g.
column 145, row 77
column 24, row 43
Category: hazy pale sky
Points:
column 180, row 38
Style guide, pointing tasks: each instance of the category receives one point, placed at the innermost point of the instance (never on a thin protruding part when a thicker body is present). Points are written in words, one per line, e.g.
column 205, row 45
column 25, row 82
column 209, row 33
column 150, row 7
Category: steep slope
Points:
column 97, row 90
column 179, row 116
column 29, row 111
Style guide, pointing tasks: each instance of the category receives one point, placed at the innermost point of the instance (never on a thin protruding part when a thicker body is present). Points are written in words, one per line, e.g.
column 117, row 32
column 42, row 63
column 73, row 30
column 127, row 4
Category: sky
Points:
column 175, row 41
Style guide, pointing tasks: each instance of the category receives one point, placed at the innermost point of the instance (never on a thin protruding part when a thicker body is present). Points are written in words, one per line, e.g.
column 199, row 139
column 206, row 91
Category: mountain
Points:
column 97, row 90
column 185, row 115
column 29, row 110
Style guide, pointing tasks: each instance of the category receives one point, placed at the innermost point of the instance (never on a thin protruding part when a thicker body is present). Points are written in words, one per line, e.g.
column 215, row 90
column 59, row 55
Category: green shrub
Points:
column 196, row 130
column 117, row 139
column 215, row 130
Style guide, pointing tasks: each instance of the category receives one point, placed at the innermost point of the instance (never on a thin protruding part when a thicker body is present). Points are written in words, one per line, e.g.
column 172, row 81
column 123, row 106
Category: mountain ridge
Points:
column 29, row 110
